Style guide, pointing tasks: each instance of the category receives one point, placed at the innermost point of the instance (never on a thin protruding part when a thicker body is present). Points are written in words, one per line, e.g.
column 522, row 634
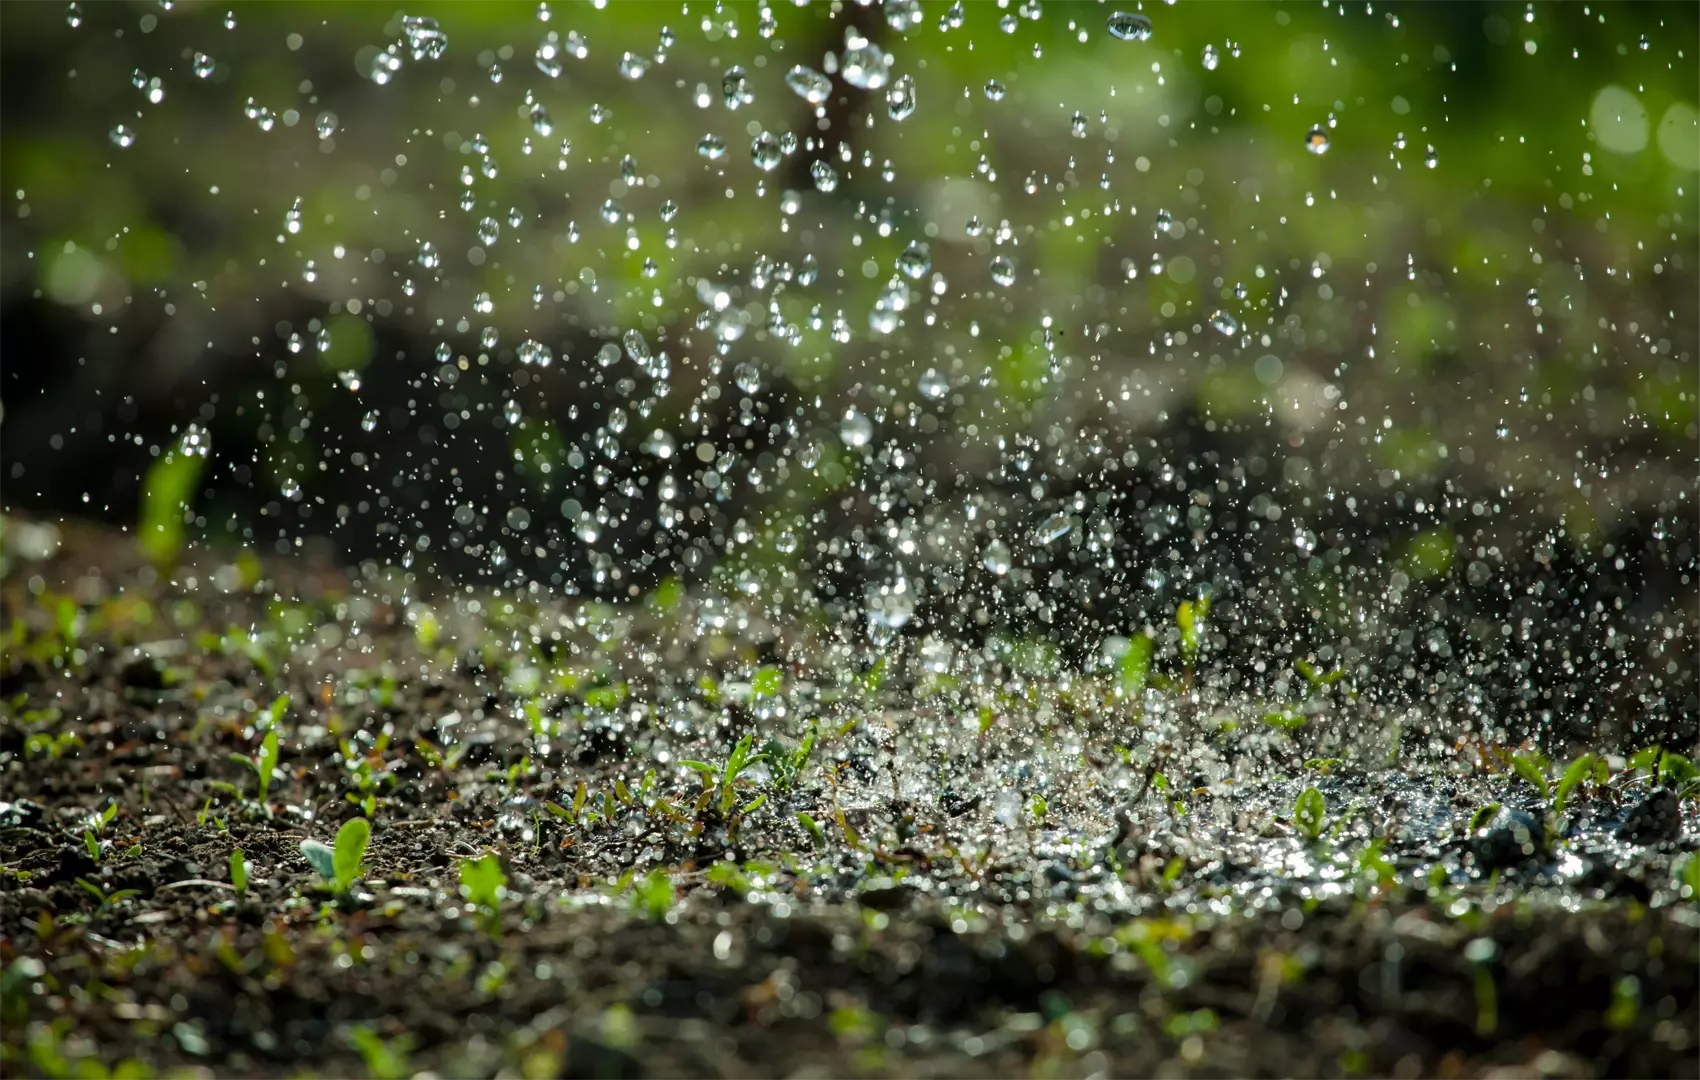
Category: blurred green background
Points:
column 1487, row 278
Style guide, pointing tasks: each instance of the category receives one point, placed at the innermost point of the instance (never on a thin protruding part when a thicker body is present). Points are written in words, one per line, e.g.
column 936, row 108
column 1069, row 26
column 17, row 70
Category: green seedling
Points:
column 91, row 843
column 1586, row 769
column 1133, row 670
column 483, row 885
column 1687, row 873
column 1189, row 618
column 1484, row 816
column 107, row 899
column 787, row 765
column 239, row 873
column 341, row 866
column 168, row 491
column 1310, row 813
column 814, row 830
column 386, row 1059
column 723, row 778
column 767, row 682
column 1037, row 807
column 1661, row 767
column 652, row 896
column 263, row 764
column 1531, row 768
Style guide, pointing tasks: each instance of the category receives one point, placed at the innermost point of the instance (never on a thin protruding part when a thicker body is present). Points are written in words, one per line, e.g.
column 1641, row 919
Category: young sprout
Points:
column 340, row 866
column 239, row 873
column 483, row 884
column 652, row 896
column 1310, row 813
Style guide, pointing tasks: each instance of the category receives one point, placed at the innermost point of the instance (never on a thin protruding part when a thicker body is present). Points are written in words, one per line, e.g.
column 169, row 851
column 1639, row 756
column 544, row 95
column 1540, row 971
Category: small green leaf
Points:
column 819, row 838
column 351, row 841
column 274, row 714
column 1688, row 875
column 767, row 682
column 1482, row 818
column 702, row 767
column 557, row 809
column 1189, row 617
column 1645, row 761
column 92, row 843
column 1531, row 773
column 168, row 492
column 1310, row 813
column 1285, row 719
column 321, row 858
column 1134, row 668
column 266, row 763
column 239, row 872
column 1575, row 774
column 482, row 881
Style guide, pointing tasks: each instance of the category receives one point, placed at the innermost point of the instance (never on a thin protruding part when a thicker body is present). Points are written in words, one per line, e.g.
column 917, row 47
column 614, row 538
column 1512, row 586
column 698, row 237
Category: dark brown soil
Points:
column 896, row 943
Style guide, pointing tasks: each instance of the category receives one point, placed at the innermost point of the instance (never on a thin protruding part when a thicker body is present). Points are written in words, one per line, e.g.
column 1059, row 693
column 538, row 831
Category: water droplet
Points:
column 809, row 84
column 123, row 137
column 350, row 380
column 825, row 176
column 864, row 65
column 1225, row 323
column 1052, row 528
column 764, row 151
column 712, row 147
column 1431, row 159
column 1211, row 58
column 994, row 90
column 996, row 558
column 1317, row 141
column 531, row 351
column 902, row 15
column 203, row 66
column 1129, row 26
column 747, row 376
column 633, row 66
column 735, row 87
column 488, row 231
column 1077, row 125
column 519, row 519
column 325, row 125
column 900, row 99
column 1003, row 271
column 915, row 261
column 74, row 15
column 855, row 429
column 933, row 385
column 424, row 38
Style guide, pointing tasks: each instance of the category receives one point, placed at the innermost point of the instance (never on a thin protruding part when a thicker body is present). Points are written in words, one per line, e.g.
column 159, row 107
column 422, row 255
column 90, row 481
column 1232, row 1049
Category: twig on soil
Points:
column 190, row 882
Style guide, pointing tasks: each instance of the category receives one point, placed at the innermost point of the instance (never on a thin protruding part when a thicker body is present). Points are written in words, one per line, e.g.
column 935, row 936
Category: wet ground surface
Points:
column 921, row 873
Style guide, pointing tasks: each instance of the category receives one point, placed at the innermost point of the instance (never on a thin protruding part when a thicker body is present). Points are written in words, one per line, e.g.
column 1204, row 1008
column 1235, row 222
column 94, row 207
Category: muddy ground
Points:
column 892, row 901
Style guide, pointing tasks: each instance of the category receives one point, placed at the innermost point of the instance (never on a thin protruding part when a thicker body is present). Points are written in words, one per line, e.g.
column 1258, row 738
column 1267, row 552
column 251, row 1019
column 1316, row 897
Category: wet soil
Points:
column 895, row 905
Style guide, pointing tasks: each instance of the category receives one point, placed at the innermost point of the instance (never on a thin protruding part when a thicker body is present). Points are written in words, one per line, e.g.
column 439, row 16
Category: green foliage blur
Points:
column 1499, row 237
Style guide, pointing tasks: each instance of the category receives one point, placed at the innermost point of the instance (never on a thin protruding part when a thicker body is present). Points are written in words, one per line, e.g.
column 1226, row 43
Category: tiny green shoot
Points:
column 1310, row 813
column 239, row 873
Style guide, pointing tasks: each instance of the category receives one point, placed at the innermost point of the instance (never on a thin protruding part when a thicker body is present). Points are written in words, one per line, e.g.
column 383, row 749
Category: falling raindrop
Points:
column 855, row 430
column 809, row 84
column 1129, row 26
column 1317, row 141
column 1003, row 270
